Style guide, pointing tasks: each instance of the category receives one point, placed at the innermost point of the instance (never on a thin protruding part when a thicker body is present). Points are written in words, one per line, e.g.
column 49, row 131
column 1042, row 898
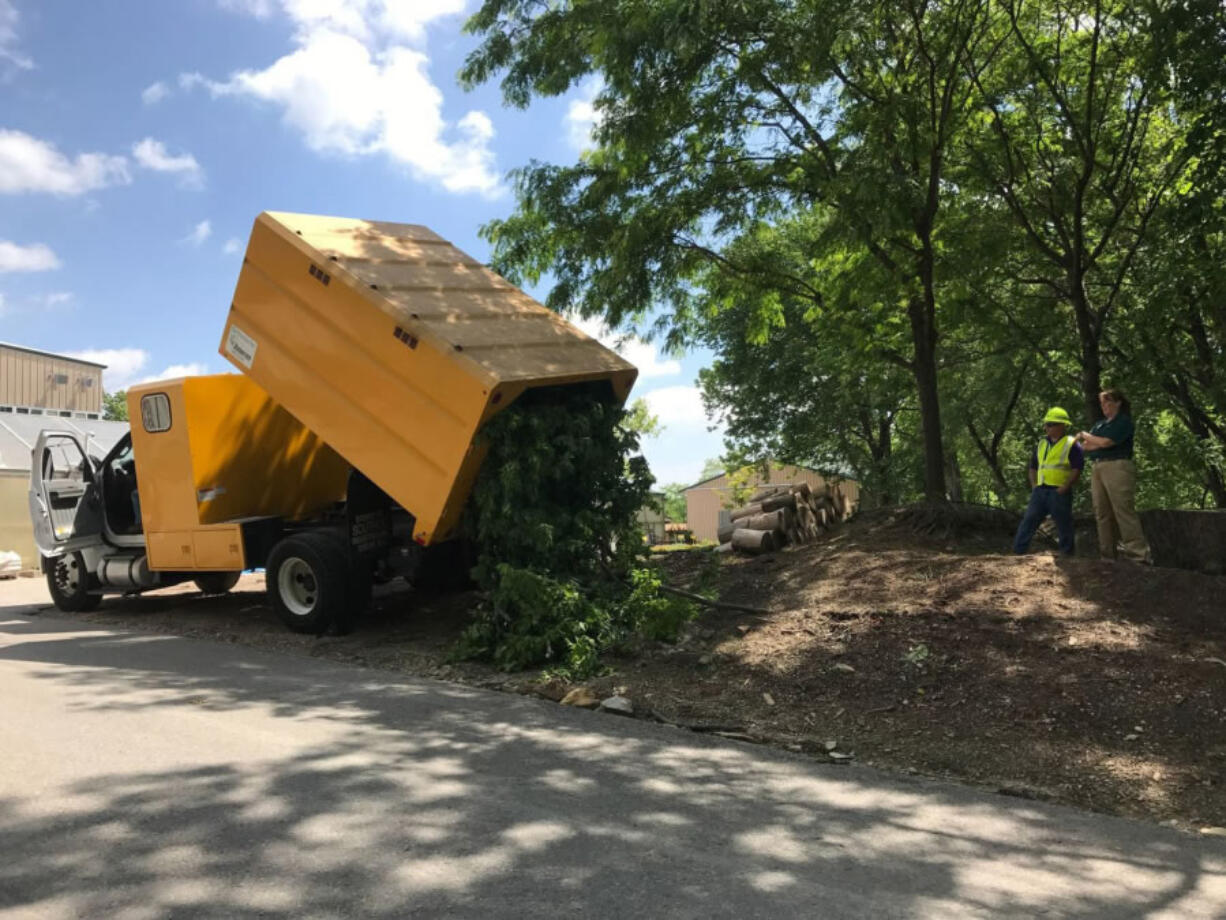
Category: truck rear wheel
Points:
column 308, row 583
column 216, row 582
column 68, row 582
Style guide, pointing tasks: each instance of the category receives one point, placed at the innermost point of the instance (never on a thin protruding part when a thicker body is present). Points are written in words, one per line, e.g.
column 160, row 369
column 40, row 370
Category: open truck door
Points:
column 65, row 504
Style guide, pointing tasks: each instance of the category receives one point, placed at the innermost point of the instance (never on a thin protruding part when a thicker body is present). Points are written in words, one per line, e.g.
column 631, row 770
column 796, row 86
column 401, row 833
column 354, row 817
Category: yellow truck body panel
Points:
column 393, row 347
column 229, row 453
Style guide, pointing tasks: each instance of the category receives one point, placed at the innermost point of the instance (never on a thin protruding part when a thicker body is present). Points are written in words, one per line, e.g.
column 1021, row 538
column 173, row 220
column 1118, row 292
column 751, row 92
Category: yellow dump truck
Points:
column 370, row 355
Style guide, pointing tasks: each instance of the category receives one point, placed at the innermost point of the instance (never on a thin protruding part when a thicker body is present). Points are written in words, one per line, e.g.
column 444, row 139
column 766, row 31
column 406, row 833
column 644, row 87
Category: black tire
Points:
column 216, row 582
column 69, row 583
column 307, row 577
column 360, row 582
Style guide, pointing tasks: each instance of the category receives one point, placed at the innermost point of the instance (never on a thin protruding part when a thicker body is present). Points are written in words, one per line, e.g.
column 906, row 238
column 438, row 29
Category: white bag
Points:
column 10, row 564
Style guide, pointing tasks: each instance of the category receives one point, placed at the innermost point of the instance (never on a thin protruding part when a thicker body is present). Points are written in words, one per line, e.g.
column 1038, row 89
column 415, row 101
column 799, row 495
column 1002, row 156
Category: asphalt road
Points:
column 149, row 776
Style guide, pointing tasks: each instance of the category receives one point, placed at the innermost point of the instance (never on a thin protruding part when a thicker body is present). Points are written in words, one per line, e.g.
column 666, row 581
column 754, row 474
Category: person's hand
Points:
column 1062, row 490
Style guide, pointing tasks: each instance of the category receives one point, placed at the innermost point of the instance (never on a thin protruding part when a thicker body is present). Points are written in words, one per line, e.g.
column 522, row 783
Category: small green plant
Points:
column 916, row 655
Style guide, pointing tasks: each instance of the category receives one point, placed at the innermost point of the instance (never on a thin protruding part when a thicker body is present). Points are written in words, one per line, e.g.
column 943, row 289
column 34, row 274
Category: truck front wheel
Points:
column 308, row 580
column 68, row 582
column 216, row 582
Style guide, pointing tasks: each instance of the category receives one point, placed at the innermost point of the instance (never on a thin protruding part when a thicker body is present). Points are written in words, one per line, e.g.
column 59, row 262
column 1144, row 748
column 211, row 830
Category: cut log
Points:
column 770, row 520
column 747, row 511
column 783, row 500
column 753, row 542
column 724, row 548
column 725, row 532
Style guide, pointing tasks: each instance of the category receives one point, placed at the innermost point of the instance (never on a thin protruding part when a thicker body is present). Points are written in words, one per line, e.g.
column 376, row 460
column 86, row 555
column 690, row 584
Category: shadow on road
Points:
column 364, row 796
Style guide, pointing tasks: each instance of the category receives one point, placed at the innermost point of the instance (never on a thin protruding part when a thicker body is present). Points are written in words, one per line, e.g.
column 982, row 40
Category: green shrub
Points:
column 559, row 556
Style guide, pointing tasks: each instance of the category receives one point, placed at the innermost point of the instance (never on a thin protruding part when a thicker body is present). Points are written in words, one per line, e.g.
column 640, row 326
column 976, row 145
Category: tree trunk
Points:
column 924, row 367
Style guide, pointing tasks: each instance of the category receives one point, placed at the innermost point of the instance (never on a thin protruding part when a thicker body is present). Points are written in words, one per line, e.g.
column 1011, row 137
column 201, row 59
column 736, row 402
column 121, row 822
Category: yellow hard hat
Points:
column 1058, row 415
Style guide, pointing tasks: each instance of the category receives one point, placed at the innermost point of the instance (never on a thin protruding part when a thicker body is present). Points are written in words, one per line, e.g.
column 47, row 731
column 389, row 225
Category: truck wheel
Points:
column 68, row 582
column 216, row 582
column 308, row 582
column 359, row 581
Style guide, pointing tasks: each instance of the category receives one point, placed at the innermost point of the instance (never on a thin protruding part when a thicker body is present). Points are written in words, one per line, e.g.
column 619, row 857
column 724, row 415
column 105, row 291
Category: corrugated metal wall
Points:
column 47, row 382
column 16, row 534
column 704, row 502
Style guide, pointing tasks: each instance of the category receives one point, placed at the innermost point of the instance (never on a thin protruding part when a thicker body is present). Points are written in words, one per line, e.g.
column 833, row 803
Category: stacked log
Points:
column 778, row 515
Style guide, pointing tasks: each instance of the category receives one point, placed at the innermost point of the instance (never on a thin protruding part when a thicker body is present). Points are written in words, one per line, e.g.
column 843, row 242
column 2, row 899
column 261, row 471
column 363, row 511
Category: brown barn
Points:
column 707, row 503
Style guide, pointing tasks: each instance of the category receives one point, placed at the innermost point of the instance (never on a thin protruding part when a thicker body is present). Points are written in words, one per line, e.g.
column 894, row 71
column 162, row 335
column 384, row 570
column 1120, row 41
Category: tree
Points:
column 719, row 116
column 674, row 501
column 1074, row 140
column 115, row 406
column 711, row 467
column 640, row 420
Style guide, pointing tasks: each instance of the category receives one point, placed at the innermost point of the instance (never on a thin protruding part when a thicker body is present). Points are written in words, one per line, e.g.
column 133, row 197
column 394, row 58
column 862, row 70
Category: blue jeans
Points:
column 1045, row 501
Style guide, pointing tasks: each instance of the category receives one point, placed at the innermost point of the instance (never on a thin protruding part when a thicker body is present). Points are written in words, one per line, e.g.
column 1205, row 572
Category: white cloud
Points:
column 352, row 87
column 35, row 258
column 677, row 406
column 11, row 57
column 122, row 365
column 125, row 367
column 201, row 232
column 155, row 93
column 687, row 441
column 232, row 246
column 58, row 298
column 194, row 369
column 643, row 355
column 28, row 164
column 581, row 116
column 3, row 309
column 152, row 154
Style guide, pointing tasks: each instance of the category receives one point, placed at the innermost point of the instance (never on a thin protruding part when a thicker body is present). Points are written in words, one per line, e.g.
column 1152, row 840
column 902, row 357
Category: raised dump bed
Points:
column 393, row 346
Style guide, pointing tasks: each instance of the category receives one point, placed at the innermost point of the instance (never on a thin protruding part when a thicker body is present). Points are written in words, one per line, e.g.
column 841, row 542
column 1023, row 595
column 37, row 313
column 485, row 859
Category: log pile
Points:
column 778, row 515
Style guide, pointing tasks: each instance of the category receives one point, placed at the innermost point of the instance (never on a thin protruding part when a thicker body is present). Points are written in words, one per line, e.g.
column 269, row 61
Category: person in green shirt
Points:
column 1113, row 479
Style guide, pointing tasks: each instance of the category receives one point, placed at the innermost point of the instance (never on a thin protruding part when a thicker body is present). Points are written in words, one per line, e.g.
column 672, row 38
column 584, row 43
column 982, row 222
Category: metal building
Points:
column 36, row 382
column 40, row 390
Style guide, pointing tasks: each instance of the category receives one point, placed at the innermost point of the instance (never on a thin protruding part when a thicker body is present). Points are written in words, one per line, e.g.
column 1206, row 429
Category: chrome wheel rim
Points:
column 68, row 574
column 297, row 586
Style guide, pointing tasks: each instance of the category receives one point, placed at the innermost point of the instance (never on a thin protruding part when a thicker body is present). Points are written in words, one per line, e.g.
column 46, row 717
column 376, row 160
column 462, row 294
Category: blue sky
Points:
column 139, row 138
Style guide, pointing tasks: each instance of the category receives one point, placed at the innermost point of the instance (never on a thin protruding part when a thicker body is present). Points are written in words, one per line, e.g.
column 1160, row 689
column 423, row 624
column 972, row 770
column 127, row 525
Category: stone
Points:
column 743, row 629
column 555, row 690
column 1213, row 831
column 581, row 697
column 845, row 668
column 705, row 660
column 1131, row 737
column 840, row 757
column 618, row 705
column 830, row 745
column 770, row 700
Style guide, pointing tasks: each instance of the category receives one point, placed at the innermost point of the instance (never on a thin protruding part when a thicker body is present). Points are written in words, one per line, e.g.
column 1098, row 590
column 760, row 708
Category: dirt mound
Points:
column 1096, row 683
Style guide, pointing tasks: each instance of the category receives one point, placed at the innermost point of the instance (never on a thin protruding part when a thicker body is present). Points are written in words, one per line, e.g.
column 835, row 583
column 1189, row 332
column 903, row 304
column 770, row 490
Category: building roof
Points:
column 774, row 465
column 50, row 354
column 18, row 433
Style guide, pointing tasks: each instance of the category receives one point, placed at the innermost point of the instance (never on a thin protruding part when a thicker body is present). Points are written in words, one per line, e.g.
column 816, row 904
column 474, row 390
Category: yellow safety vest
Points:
column 1054, row 467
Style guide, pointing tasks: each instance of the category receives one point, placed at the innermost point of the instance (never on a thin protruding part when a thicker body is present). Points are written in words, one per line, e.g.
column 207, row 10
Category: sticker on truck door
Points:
column 240, row 346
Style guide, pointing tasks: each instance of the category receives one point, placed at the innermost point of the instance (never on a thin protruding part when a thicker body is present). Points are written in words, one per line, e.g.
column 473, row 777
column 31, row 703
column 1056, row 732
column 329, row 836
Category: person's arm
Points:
column 1032, row 470
column 1074, row 475
column 1093, row 441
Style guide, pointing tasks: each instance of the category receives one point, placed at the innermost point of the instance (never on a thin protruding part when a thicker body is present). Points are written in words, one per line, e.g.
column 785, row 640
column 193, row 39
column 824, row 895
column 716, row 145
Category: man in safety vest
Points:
column 1055, row 467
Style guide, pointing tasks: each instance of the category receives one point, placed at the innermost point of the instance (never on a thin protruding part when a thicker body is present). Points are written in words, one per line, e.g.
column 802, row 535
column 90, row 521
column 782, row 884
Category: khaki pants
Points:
column 1113, row 484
